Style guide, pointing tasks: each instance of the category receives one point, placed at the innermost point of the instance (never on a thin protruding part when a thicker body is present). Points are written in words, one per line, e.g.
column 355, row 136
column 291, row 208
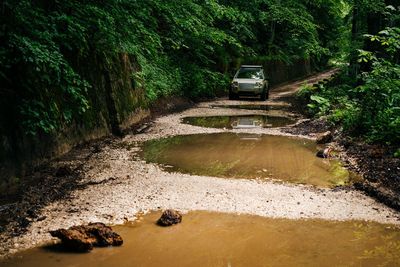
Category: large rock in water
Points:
column 169, row 217
column 85, row 237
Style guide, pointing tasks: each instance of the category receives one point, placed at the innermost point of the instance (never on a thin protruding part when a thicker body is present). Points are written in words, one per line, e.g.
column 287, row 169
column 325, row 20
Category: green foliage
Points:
column 380, row 99
column 319, row 104
column 183, row 47
column 397, row 153
column 369, row 106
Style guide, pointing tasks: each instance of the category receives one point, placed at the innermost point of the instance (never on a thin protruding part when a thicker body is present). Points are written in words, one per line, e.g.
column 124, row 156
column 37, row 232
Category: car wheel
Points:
column 263, row 95
column 232, row 96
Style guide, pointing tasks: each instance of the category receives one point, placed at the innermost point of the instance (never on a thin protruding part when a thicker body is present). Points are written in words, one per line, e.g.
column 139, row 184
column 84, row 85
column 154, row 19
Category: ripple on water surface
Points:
column 231, row 155
column 214, row 239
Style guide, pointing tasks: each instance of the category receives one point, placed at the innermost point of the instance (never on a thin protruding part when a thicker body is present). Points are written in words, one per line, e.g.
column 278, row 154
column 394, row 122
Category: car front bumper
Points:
column 247, row 90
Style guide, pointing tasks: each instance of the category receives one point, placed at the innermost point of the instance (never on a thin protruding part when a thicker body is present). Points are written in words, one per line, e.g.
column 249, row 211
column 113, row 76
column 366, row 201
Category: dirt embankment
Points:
column 107, row 181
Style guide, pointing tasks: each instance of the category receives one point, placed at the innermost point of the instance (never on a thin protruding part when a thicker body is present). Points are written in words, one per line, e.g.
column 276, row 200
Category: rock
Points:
column 63, row 171
column 74, row 239
column 346, row 143
column 324, row 138
column 376, row 152
column 32, row 213
column 320, row 154
column 24, row 222
column 169, row 217
column 41, row 218
column 326, row 153
column 96, row 149
column 84, row 237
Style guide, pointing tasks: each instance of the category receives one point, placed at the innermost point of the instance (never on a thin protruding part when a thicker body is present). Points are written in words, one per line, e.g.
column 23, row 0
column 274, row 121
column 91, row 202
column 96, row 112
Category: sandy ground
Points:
column 121, row 184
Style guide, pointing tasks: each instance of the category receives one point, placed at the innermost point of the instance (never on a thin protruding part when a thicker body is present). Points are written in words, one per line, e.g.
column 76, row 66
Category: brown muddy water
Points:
column 231, row 155
column 214, row 239
column 239, row 122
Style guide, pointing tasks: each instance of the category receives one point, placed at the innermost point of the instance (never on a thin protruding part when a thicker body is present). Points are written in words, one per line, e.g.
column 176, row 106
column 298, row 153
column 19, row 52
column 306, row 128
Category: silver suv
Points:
column 249, row 80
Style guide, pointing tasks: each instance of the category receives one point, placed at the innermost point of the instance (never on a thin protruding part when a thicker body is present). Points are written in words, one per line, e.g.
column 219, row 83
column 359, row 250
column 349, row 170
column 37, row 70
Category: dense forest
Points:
column 88, row 64
column 365, row 97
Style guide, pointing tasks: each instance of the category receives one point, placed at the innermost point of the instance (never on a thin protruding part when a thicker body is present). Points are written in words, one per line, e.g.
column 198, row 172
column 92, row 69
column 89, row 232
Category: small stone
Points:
column 41, row 218
column 25, row 222
column 320, row 154
column 169, row 217
column 96, row 149
column 32, row 213
column 376, row 152
column 326, row 153
column 324, row 138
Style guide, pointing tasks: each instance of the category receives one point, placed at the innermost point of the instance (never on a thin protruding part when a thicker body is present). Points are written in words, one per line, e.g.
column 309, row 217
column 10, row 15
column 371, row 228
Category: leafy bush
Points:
column 319, row 104
column 371, row 108
column 380, row 99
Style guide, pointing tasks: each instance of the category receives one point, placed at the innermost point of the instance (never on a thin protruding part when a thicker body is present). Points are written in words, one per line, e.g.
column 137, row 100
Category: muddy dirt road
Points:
column 118, row 183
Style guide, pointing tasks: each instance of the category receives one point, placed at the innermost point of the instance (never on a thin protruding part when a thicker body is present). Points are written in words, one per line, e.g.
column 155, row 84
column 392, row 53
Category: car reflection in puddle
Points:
column 239, row 122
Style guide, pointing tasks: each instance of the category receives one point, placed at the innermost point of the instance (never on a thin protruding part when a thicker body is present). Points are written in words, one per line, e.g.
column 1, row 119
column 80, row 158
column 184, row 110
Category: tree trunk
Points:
column 355, row 42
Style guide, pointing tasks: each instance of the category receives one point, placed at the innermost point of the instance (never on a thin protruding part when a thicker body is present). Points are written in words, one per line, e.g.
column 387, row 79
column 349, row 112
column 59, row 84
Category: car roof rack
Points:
column 251, row 66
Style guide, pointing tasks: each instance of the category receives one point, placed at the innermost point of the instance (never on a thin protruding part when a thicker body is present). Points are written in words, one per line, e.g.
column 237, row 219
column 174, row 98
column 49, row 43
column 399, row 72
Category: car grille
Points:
column 246, row 86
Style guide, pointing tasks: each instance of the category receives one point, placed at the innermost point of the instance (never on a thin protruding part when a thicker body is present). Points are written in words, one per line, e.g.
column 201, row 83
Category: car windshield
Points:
column 250, row 73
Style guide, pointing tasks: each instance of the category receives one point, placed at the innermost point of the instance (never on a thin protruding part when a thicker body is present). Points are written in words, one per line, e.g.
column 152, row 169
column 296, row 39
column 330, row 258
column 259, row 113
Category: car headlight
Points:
column 259, row 84
column 235, row 84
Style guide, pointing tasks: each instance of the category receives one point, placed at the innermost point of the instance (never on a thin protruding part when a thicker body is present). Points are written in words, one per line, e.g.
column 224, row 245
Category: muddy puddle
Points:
column 250, row 156
column 214, row 239
column 239, row 122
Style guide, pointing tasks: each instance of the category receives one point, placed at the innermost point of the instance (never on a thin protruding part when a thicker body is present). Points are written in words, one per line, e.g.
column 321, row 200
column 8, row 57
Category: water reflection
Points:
column 255, row 107
column 246, row 122
column 233, row 155
column 239, row 122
